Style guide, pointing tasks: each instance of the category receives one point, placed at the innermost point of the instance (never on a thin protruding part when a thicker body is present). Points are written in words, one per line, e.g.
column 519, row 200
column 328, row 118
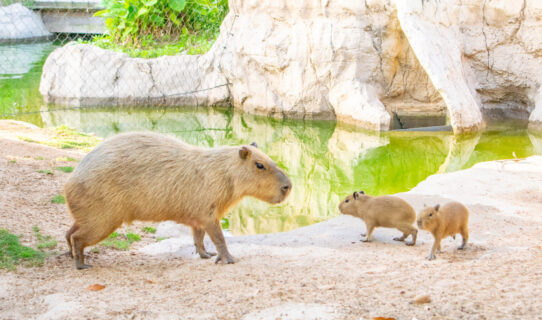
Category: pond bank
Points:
column 320, row 270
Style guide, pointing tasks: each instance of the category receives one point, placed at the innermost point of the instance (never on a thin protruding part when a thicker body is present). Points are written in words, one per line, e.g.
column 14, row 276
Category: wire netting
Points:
column 144, row 52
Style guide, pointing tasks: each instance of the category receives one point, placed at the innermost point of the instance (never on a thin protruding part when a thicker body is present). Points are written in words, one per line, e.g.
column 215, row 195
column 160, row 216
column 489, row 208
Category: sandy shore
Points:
column 318, row 272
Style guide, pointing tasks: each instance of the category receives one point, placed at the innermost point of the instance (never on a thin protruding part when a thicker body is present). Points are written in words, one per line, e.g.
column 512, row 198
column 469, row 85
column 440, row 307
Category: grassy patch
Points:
column 64, row 137
column 12, row 161
column 59, row 199
column 44, row 242
column 149, row 229
column 160, row 239
column 45, row 171
column 65, row 169
column 13, row 253
column 120, row 241
column 38, row 158
column 66, row 159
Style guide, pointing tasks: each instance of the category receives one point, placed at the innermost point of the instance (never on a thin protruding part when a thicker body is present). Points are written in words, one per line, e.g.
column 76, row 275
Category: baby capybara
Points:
column 382, row 211
column 448, row 220
column 152, row 177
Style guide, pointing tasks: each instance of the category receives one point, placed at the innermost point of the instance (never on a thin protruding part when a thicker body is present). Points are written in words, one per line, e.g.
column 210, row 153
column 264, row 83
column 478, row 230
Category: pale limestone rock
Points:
column 356, row 61
column 20, row 23
column 79, row 74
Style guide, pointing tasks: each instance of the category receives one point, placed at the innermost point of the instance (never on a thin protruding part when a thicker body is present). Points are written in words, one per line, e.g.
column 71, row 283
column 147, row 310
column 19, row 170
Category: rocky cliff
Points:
column 365, row 62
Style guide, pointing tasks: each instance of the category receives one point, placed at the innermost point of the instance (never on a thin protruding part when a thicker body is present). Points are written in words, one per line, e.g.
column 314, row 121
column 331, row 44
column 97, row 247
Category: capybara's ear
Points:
column 362, row 192
column 254, row 144
column 437, row 207
column 244, row 152
column 355, row 194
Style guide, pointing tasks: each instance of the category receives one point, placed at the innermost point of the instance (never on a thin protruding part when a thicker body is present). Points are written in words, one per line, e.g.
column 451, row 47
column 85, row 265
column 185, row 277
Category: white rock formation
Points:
column 79, row 74
column 20, row 23
column 356, row 61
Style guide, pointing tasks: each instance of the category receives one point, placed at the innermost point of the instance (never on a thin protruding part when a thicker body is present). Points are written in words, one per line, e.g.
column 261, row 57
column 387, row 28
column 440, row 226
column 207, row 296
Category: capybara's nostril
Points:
column 286, row 187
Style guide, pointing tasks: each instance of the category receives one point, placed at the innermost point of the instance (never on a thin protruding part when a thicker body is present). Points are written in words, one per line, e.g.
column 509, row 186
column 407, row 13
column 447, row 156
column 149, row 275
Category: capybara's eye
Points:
column 430, row 214
column 260, row 166
column 347, row 201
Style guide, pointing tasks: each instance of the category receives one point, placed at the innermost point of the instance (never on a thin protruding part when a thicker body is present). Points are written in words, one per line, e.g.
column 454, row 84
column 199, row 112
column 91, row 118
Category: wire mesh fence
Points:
column 84, row 53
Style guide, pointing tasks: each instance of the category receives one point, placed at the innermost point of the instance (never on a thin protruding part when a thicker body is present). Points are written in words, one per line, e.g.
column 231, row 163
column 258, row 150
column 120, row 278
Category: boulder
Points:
column 18, row 23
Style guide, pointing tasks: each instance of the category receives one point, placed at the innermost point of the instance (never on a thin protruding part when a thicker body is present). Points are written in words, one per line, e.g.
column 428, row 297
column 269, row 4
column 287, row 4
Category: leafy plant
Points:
column 149, row 28
column 45, row 171
column 12, row 252
column 65, row 169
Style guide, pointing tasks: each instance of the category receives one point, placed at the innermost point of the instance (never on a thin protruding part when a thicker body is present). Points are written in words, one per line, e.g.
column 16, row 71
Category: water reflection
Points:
column 20, row 72
column 325, row 161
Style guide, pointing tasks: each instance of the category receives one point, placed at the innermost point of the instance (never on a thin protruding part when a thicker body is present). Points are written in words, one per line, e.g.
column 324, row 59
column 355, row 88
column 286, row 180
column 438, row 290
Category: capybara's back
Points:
column 152, row 177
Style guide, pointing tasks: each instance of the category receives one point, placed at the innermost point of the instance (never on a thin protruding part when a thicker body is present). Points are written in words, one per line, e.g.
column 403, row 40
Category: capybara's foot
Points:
column 206, row 254
column 399, row 239
column 82, row 266
column 366, row 239
column 226, row 259
column 410, row 243
column 431, row 257
column 461, row 247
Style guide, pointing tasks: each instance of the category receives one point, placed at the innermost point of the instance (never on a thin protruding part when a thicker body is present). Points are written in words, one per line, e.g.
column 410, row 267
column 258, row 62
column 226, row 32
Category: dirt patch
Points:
column 318, row 272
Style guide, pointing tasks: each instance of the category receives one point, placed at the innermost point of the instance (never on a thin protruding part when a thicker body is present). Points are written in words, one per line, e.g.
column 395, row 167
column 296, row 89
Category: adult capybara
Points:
column 152, row 177
column 448, row 220
column 382, row 211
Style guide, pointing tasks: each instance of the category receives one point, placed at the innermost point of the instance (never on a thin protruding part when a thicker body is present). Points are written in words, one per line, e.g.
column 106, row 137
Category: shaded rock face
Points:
column 363, row 62
column 18, row 23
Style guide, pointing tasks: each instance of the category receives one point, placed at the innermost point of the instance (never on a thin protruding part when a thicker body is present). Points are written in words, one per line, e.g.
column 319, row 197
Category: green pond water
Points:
column 325, row 160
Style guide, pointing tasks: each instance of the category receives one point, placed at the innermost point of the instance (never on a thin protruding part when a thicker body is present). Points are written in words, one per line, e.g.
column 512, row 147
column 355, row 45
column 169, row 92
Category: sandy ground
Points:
column 317, row 272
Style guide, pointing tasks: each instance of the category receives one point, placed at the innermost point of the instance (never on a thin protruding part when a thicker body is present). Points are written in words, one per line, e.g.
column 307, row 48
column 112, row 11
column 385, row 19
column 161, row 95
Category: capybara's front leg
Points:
column 370, row 228
column 198, row 235
column 436, row 246
column 215, row 232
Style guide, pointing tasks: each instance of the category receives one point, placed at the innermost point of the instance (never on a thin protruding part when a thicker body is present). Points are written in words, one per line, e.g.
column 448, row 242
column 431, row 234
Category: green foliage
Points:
column 150, row 28
column 58, row 199
column 149, row 229
column 38, row 158
column 45, row 171
column 120, row 241
column 26, row 3
column 44, row 242
column 65, row 169
column 12, row 161
column 13, row 253
column 225, row 222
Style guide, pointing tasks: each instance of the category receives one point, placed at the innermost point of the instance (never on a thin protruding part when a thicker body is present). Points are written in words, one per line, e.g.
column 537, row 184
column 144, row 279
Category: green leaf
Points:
column 143, row 11
column 173, row 18
column 177, row 5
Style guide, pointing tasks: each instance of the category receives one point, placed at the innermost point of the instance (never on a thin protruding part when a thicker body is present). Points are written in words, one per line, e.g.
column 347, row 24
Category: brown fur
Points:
column 448, row 220
column 152, row 177
column 382, row 211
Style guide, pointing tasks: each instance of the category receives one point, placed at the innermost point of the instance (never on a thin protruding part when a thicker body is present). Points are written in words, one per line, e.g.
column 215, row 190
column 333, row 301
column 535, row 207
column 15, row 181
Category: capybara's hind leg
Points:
column 198, row 235
column 465, row 237
column 69, row 239
column 215, row 232
column 407, row 230
column 85, row 237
